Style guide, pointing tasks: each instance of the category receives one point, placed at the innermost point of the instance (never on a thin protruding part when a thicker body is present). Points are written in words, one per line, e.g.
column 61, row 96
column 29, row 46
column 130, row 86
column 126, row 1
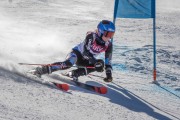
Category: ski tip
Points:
column 103, row 90
column 65, row 87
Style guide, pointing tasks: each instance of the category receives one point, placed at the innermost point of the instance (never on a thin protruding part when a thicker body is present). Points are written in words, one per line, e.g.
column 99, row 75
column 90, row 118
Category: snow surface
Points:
column 44, row 31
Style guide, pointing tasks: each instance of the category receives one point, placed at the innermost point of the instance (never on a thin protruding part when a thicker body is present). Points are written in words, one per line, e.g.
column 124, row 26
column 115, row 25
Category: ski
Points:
column 61, row 86
column 97, row 89
column 65, row 86
column 100, row 90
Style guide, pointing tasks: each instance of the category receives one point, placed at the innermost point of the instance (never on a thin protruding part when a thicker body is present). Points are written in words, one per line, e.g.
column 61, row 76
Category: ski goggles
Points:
column 108, row 34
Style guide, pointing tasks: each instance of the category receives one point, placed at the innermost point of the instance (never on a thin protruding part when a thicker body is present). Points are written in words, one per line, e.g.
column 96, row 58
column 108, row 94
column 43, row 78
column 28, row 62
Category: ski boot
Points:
column 39, row 71
column 74, row 74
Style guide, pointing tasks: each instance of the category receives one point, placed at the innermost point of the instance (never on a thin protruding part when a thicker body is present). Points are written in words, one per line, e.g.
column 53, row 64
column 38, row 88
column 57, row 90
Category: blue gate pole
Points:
column 154, row 42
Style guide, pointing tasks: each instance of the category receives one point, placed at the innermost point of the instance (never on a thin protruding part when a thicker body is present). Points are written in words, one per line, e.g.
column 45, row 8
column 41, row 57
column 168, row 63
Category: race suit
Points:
column 85, row 53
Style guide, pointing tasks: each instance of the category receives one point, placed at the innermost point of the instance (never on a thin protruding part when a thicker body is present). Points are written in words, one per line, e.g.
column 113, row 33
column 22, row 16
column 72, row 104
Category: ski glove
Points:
column 99, row 66
column 108, row 74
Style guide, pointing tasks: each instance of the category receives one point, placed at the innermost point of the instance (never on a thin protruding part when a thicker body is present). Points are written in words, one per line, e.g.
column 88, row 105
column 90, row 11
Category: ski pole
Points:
column 90, row 67
column 33, row 64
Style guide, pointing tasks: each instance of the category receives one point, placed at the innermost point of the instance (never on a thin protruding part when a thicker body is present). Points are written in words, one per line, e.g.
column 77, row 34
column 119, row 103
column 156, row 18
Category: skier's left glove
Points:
column 109, row 77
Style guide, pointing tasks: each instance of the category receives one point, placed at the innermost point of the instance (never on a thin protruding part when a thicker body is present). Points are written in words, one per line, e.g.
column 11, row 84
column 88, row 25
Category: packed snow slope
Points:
column 44, row 31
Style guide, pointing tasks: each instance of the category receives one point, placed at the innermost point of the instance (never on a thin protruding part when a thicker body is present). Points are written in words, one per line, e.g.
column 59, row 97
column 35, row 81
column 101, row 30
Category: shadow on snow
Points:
column 116, row 93
column 121, row 96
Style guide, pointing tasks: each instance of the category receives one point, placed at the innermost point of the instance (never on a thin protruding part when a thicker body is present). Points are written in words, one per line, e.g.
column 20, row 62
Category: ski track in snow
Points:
column 44, row 31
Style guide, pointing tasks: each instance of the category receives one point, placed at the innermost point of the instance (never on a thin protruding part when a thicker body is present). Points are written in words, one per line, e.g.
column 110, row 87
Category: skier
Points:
column 84, row 54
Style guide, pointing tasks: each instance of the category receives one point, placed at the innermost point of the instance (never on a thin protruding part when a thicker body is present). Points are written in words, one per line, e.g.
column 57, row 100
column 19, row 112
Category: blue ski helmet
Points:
column 106, row 28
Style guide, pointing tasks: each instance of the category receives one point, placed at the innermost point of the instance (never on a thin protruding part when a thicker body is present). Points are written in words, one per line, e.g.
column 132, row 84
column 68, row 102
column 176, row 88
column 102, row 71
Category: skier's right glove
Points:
column 108, row 74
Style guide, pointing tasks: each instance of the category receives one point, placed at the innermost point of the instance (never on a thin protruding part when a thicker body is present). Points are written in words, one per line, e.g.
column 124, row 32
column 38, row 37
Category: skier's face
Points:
column 105, row 38
column 107, row 35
